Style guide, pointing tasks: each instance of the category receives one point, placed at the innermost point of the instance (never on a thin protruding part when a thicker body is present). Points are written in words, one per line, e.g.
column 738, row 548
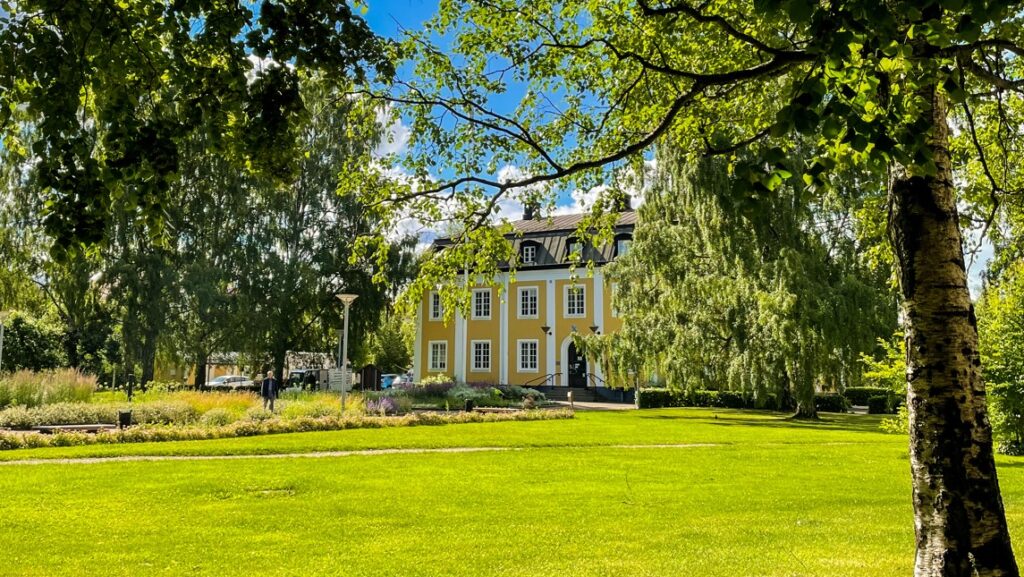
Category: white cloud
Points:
column 396, row 134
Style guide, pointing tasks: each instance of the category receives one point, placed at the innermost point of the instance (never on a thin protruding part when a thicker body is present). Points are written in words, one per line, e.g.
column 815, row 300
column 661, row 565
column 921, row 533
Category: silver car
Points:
column 230, row 383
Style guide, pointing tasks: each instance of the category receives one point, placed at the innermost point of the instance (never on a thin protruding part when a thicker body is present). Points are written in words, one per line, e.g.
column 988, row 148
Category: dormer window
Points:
column 528, row 254
column 575, row 248
column 622, row 244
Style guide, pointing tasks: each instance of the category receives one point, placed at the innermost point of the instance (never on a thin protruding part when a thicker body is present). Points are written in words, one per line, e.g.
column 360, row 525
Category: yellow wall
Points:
column 527, row 329
column 435, row 331
column 611, row 324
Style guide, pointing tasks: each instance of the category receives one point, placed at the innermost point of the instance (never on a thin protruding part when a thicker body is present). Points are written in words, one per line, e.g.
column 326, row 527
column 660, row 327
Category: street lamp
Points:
column 3, row 318
column 346, row 299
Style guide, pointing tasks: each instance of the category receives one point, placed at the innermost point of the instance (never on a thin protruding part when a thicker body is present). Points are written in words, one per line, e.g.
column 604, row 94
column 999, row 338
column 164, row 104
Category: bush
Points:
column 164, row 413
column 900, row 424
column 217, row 418
column 441, row 379
column 860, row 395
column 879, row 405
column 258, row 414
column 830, row 403
column 658, row 398
column 1006, row 408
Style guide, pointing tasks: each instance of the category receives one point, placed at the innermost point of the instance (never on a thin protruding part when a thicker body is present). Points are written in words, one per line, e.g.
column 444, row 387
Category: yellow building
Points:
column 524, row 336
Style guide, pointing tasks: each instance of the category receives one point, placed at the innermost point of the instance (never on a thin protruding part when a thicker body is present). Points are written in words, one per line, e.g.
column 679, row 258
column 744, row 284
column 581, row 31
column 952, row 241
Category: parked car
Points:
column 312, row 379
column 389, row 380
column 231, row 383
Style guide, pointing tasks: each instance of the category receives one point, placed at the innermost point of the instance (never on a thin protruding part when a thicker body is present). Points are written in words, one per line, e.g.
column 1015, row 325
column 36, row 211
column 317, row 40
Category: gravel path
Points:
column 324, row 454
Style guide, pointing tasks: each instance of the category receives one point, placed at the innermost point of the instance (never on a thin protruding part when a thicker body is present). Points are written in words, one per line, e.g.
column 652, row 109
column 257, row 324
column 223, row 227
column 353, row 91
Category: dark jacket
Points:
column 269, row 388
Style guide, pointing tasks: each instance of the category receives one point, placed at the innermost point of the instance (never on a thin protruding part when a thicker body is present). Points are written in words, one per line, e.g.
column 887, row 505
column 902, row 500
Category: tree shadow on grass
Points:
column 749, row 418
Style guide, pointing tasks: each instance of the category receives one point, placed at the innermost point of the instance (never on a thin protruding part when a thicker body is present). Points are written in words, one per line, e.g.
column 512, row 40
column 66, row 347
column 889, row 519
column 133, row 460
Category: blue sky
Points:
column 388, row 17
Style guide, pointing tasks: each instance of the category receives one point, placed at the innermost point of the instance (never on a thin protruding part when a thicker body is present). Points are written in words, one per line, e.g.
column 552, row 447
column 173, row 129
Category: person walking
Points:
column 268, row 391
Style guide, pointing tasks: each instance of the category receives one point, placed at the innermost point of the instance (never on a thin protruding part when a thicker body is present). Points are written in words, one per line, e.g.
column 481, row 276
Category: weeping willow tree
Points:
column 726, row 289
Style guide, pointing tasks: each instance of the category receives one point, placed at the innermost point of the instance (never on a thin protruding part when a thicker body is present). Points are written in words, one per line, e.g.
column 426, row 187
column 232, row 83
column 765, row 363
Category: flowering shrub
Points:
column 246, row 428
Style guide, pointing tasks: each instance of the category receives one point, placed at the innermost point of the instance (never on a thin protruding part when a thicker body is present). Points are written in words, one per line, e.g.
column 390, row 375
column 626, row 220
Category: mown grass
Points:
column 771, row 497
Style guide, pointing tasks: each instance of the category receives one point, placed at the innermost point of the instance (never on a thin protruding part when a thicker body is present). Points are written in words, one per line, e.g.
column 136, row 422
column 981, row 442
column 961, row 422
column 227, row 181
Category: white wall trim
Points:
column 565, row 360
column 549, row 340
column 503, row 334
column 417, row 352
column 599, row 323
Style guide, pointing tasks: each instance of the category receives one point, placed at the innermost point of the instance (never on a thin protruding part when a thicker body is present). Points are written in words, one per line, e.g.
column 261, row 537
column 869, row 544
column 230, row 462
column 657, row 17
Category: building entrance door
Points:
column 577, row 367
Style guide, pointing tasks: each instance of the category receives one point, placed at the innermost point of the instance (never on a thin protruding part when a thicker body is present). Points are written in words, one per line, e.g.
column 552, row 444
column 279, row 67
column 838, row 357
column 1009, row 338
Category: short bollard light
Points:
column 569, row 396
column 124, row 419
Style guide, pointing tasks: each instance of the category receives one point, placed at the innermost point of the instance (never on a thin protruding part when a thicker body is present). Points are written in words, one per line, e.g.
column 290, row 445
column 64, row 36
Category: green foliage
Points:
column 391, row 343
column 880, row 405
column 860, row 395
column 32, row 344
column 191, row 69
column 755, row 296
column 898, row 425
column 657, row 398
column 831, row 403
column 32, row 389
column 217, row 418
column 890, row 371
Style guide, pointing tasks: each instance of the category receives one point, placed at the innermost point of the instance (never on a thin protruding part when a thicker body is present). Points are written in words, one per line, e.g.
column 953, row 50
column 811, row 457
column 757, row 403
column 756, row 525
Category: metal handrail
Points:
column 597, row 378
column 542, row 380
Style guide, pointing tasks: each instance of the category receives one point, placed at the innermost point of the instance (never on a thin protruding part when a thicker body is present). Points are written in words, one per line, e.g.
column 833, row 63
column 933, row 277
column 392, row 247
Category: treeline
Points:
column 236, row 262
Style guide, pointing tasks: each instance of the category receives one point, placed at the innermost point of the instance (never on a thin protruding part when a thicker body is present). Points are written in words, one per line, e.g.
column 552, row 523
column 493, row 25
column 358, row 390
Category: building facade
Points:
column 524, row 334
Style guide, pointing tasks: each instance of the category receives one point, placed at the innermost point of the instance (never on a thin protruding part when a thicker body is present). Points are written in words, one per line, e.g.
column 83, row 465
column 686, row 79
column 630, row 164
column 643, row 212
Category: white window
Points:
column 528, row 355
column 481, row 356
column 436, row 308
column 528, row 303
column 615, row 297
column 482, row 304
column 529, row 254
column 575, row 301
column 438, row 356
column 622, row 246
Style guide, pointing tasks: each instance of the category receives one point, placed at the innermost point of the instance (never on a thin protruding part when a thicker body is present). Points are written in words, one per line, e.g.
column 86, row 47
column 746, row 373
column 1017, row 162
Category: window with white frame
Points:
column 529, row 254
column 528, row 362
column 481, row 304
column 436, row 308
column 481, row 356
column 575, row 301
column 528, row 306
column 438, row 356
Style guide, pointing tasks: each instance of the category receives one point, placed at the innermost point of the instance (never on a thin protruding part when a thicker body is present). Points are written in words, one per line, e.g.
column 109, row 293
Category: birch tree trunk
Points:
column 960, row 524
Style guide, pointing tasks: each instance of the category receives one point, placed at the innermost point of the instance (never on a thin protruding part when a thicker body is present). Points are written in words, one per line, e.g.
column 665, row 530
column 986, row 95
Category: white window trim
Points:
column 533, row 248
column 440, row 306
column 490, row 304
column 472, row 356
column 430, row 357
column 519, row 355
column 565, row 301
column 519, row 303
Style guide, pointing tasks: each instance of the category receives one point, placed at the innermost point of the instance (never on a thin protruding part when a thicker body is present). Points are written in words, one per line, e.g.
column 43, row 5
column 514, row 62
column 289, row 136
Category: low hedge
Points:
column 860, row 395
column 879, row 405
column 831, row 403
column 150, row 413
column 657, row 398
column 248, row 428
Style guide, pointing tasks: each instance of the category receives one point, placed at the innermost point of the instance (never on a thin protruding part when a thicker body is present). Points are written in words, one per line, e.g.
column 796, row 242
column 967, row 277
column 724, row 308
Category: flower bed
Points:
column 275, row 425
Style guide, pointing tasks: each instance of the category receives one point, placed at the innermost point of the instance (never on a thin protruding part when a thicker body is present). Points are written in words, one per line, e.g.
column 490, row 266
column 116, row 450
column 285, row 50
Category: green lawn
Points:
column 770, row 498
